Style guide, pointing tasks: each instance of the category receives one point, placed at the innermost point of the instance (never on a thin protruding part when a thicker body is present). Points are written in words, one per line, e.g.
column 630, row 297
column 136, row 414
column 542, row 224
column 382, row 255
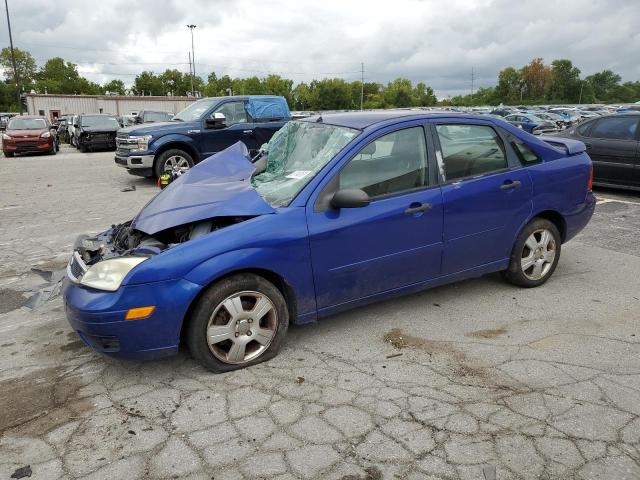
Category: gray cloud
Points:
column 434, row 41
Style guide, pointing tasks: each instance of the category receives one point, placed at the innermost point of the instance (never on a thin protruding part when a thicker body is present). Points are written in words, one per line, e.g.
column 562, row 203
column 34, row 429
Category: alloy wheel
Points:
column 242, row 327
column 176, row 165
column 538, row 254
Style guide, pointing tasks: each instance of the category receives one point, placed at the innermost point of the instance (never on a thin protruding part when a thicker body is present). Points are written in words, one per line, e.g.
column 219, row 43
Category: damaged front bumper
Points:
column 98, row 317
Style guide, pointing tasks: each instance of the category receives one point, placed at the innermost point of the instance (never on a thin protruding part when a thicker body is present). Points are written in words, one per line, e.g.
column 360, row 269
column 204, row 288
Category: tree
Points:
column 147, row 83
column 603, row 84
column 399, row 93
column 509, row 85
column 565, row 81
column 114, row 86
column 25, row 65
column 423, row 96
column 536, row 79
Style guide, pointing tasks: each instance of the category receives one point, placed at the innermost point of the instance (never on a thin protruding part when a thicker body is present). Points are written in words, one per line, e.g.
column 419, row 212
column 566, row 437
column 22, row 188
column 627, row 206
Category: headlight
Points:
column 140, row 142
column 6, row 137
column 45, row 135
column 108, row 274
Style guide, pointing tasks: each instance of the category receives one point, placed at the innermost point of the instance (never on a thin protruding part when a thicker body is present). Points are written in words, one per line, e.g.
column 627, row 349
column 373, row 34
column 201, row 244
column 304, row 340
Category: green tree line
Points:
column 536, row 82
column 559, row 82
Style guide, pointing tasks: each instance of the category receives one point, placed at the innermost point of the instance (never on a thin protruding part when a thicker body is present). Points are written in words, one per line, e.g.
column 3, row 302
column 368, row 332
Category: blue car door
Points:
column 238, row 127
column 486, row 193
column 394, row 241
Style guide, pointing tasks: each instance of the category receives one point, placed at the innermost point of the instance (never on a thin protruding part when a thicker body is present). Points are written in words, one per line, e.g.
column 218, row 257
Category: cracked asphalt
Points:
column 476, row 380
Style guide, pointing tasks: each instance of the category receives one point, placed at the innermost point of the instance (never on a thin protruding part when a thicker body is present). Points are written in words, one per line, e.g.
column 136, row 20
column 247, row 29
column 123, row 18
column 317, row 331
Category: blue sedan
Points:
column 532, row 123
column 340, row 210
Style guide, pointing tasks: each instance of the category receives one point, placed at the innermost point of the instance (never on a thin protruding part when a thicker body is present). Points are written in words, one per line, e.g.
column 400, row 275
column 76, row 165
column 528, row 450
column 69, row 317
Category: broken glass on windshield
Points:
column 295, row 154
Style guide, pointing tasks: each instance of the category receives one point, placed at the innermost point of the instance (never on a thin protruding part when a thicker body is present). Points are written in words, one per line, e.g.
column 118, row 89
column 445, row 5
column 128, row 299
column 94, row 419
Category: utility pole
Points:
column 581, row 87
column 472, row 80
column 190, row 73
column 13, row 59
column 193, row 61
column 362, row 86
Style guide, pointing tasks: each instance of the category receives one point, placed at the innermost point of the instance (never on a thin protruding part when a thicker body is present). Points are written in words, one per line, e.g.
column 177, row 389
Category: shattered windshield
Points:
column 295, row 154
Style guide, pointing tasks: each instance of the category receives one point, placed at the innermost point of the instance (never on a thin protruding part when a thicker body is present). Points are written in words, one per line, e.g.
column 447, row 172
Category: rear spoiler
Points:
column 566, row 145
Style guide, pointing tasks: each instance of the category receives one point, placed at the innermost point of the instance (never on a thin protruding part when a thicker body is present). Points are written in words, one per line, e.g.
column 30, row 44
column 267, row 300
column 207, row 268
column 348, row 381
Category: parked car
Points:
column 532, row 123
column 29, row 134
column 96, row 131
column 62, row 133
column 340, row 211
column 72, row 121
column 559, row 120
column 152, row 116
column 613, row 143
column 203, row 128
column 568, row 114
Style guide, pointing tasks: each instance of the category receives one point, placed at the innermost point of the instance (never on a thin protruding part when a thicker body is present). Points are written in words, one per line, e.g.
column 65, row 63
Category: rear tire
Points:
column 8, row 154
column 239, row 321
column 173, row 160
column 535, row 254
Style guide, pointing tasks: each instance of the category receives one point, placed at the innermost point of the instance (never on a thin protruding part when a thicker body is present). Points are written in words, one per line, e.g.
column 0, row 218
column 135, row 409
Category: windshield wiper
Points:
column 174, row 119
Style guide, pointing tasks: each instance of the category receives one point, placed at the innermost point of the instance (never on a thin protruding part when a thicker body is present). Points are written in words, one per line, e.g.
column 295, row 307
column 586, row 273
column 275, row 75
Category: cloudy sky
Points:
column 435, row 41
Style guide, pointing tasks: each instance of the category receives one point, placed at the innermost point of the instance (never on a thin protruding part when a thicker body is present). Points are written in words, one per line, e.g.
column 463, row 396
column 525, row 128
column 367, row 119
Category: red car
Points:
column 26, row 134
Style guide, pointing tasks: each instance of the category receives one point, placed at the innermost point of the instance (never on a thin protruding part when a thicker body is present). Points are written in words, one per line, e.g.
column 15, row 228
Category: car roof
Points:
column 30, row 117
column 362, row 120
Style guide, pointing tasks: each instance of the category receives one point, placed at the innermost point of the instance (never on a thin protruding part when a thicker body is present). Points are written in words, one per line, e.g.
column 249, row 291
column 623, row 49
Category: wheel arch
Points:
column 557, row 219
column 179, row 145
column 277, row 280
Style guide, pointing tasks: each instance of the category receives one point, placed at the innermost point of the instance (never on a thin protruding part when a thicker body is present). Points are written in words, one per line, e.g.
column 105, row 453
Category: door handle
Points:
column 247, row 132
column 511, row 185
column 422, row 207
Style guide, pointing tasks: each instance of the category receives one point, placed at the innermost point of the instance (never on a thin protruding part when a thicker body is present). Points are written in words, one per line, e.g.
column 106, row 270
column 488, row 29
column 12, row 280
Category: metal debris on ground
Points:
column 131, row 188
column 22, row 472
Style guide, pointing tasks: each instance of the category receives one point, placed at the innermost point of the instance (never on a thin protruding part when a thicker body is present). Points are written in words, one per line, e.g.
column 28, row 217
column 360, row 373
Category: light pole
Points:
column 13, row 59
column 193, row 61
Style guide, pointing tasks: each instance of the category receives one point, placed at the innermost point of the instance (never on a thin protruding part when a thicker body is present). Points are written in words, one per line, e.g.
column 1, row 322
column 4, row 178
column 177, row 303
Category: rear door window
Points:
column 470, row 151
column 616, row 128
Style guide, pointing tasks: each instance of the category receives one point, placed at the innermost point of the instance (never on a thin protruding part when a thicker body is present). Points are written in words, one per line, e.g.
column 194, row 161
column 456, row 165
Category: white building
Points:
column 54, row 106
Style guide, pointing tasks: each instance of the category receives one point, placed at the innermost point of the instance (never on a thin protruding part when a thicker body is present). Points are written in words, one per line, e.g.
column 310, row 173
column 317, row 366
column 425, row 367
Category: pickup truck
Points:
column 204, row 128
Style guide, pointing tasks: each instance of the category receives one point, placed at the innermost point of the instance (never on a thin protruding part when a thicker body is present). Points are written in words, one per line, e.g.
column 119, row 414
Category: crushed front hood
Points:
column 219, row 186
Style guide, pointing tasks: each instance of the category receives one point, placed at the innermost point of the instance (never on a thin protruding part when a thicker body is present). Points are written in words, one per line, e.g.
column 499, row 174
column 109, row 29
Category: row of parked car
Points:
column 154, row 147
column 89, row 132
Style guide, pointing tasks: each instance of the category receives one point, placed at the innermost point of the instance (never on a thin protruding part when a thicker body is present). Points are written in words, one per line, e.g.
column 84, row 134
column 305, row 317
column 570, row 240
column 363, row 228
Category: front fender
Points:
column 174, row 138
column 291, row 264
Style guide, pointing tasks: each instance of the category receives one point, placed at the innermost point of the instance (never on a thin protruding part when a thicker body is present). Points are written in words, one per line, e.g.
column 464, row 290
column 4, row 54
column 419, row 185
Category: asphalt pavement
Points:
column 475, row 380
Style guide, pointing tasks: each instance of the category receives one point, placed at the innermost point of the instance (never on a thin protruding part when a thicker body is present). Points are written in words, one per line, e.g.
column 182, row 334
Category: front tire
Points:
column 8, row 154
column 174, row 161
column 535, row 254
column 239, row 321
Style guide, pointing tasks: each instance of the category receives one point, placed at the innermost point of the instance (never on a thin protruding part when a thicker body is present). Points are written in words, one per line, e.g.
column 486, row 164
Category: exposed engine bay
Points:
column 121, row 240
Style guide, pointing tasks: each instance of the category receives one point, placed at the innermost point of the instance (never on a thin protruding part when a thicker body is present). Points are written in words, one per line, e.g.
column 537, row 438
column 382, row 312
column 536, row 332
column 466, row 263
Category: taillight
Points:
column 590, row 181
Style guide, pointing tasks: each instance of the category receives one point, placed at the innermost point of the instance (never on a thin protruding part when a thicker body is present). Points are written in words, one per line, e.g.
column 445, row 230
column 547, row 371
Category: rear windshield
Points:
column 100, row 121
column 27, row 124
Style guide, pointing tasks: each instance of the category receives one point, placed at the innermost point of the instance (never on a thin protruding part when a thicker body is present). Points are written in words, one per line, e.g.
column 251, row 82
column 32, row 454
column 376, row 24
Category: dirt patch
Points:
column 490, row 333
column 372, row 473
column 11, row 300
column 73, row 346
column 459, row 361
column 39, row 395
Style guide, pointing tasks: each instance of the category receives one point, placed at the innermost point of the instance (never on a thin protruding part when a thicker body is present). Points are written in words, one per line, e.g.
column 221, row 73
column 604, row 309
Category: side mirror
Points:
column 217, row 121
column 350, row 198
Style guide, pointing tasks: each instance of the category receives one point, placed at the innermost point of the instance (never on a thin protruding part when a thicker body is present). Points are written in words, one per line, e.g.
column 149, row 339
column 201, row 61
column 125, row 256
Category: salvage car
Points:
column 340, row 210
column 532, row 123
column 96, row 131
column 613, row 143
column 205, row 127
column 29, row 134
column 152, row 116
